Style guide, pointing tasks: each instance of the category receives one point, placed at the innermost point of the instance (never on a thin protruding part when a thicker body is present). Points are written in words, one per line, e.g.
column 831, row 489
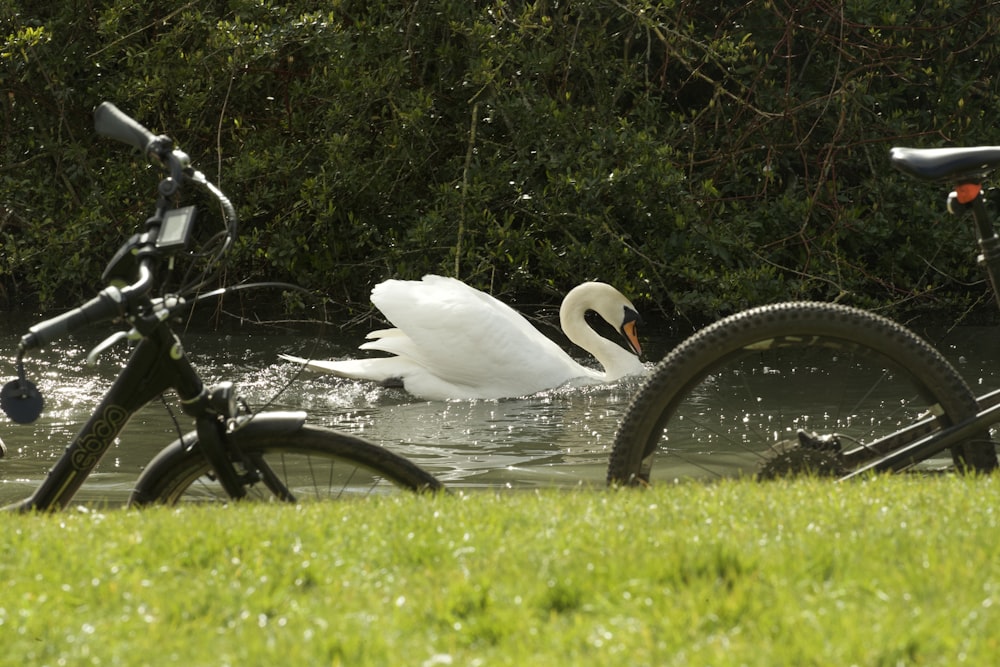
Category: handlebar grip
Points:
column 107, row 304
column 111, row 121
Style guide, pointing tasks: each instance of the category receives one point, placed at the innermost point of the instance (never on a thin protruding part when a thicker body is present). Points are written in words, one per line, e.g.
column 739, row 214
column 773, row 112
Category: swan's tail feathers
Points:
column 317, row 365
column 381, row 370
column 385, row 333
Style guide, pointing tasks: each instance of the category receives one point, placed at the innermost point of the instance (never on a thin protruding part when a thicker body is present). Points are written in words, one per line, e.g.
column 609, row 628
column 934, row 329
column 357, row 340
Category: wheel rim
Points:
column 734, row 419
column 308, row 475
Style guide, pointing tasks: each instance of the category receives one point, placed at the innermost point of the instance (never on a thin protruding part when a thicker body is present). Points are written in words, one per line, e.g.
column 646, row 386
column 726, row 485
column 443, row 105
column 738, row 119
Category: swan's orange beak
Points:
column 630, row 331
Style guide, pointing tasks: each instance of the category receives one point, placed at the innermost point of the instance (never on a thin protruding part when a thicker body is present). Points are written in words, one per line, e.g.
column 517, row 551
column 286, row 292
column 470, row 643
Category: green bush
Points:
column 702, row 157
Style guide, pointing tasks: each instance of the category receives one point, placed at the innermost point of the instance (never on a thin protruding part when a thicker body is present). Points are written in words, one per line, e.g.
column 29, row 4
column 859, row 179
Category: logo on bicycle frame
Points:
column 92, row 446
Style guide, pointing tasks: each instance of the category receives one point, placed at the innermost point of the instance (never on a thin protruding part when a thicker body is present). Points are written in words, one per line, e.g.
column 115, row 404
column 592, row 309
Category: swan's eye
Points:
column 631, row 316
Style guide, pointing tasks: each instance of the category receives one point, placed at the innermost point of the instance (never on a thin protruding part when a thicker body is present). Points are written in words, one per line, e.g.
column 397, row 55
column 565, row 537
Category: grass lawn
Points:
column 891, row 571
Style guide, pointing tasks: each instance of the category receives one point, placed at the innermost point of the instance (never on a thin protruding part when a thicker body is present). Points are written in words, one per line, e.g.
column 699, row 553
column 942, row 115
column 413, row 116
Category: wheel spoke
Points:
column 311, row 464
column 733, row 396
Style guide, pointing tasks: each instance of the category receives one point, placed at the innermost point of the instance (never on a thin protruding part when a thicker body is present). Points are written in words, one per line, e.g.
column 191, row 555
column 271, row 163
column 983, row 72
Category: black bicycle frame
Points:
column 988, row 405
column 932, row 444
column 157, row 364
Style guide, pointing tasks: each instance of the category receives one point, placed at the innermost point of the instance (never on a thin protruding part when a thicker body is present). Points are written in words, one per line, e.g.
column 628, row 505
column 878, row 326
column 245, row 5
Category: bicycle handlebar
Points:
column 112, row 122
column 105, row 305
column 110, row 302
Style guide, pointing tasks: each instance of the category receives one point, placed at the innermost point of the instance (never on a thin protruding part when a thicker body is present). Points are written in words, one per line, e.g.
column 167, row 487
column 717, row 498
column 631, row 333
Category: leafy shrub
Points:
column 702, row 157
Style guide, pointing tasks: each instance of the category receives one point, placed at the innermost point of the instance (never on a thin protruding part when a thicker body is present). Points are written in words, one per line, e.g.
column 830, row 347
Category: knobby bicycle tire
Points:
column 761, row 390
column 314, row 463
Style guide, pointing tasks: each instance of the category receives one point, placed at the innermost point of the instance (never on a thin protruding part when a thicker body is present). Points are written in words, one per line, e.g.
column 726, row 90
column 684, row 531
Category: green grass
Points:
column 899, row 571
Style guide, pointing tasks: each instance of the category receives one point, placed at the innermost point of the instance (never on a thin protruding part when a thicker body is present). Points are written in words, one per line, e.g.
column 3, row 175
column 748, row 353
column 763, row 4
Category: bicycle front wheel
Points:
column 307, row 464
column 792, row 387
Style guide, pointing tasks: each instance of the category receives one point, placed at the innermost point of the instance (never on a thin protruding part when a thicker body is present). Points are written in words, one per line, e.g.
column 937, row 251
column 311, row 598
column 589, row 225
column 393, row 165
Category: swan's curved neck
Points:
column 616, row 360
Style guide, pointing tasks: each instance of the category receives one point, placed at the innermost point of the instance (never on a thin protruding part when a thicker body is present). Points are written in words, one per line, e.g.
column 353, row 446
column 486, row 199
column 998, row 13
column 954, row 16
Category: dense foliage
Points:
column 701, row 156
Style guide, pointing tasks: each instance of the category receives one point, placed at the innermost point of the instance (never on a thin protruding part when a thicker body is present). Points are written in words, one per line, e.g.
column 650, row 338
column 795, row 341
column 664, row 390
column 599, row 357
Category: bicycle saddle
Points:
column 954, row 164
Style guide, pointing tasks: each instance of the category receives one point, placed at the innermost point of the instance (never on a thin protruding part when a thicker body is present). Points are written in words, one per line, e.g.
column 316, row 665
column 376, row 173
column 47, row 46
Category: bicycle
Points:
column 819, row 388
column 233, row 453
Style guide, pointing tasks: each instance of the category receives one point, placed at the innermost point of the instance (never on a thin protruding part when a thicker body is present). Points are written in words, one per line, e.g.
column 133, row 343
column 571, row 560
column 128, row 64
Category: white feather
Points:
column 451, row 341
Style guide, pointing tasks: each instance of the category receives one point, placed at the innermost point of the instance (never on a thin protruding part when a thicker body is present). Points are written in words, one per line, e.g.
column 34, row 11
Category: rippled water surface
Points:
column 557, row 438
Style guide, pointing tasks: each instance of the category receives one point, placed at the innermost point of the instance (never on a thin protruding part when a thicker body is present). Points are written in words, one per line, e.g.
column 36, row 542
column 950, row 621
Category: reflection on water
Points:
column 556, row 438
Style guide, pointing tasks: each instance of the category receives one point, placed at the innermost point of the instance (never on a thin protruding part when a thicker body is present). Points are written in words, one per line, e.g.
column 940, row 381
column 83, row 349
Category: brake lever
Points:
column 110, row 342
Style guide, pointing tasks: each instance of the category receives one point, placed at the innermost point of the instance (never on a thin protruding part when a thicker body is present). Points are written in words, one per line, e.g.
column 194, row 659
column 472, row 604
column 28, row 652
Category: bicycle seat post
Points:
column 989, row 243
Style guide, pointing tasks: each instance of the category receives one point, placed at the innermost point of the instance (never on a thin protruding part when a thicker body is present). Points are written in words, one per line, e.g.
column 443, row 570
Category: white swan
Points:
column 454, row 342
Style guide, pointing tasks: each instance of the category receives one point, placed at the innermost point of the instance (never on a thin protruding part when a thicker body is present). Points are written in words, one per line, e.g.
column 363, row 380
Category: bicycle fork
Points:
column 216, row 411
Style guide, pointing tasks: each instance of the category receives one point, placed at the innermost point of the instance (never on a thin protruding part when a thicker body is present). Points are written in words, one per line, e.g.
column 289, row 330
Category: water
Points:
column 556, row 438
column 559, row 438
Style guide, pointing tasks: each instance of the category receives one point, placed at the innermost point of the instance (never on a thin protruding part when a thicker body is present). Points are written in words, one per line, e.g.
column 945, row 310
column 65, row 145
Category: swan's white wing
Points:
column 467, row 338
column 453, row 341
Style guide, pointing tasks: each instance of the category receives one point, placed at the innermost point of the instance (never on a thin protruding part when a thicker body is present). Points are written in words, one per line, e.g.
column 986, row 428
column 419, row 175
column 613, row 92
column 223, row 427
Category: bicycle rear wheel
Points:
column 308, row 464
column 791, row 387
